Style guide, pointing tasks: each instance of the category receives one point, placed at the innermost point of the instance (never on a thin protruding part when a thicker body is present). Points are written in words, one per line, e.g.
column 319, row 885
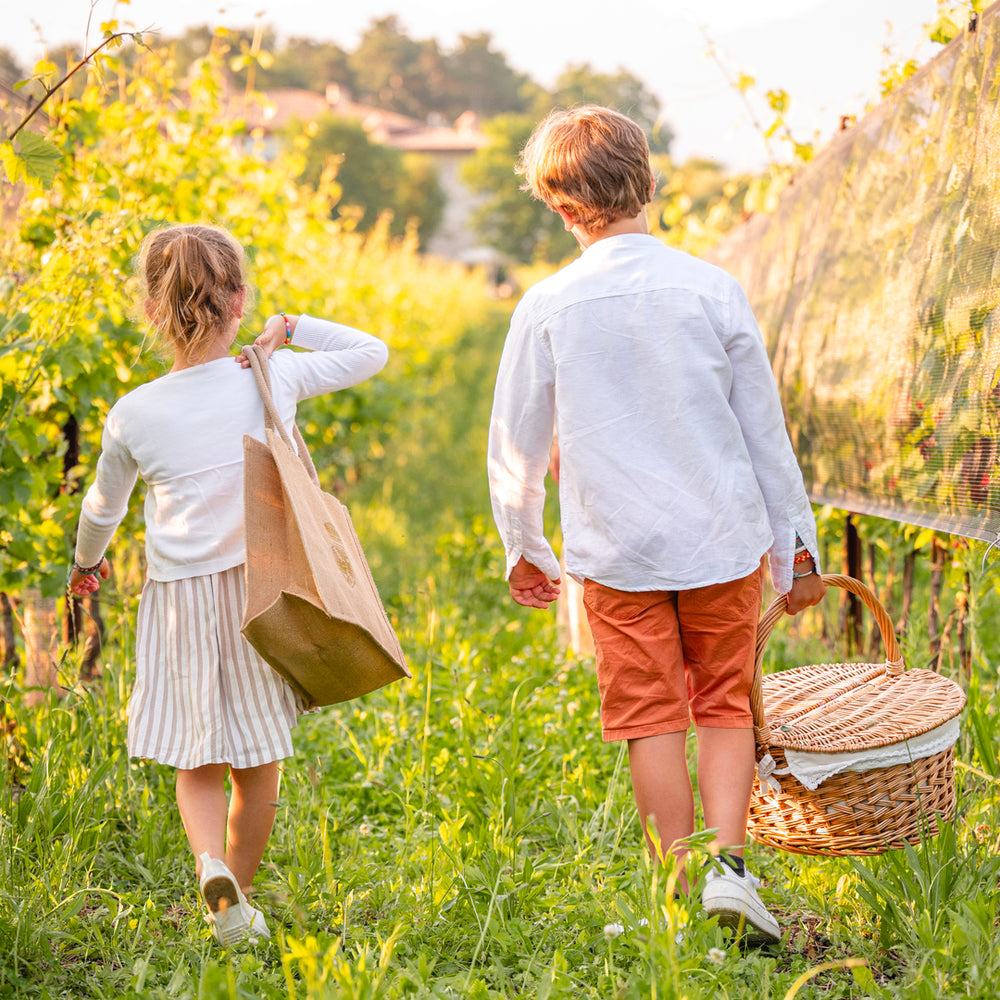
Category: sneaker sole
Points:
column 731, row 912
column 230, row 922
column 744, row 928
column 220, row 893
column 231, row 927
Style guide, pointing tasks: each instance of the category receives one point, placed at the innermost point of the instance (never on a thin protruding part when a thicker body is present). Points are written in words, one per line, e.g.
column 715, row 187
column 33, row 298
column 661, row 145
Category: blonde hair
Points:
column 188, row 275
column 590, row 161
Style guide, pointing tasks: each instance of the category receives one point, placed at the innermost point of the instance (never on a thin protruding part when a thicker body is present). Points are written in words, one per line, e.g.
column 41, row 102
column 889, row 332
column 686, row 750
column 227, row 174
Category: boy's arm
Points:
column 520, row 439
column 756, row 402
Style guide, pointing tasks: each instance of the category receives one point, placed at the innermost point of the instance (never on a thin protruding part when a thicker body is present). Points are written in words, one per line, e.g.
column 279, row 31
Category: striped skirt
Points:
column 202, row 695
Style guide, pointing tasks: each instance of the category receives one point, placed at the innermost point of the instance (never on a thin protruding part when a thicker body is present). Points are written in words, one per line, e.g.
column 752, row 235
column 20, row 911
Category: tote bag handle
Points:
column 272, row 421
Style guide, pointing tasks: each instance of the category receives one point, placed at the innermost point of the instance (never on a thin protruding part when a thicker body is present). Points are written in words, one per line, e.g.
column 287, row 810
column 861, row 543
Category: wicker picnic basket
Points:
column 851, row 709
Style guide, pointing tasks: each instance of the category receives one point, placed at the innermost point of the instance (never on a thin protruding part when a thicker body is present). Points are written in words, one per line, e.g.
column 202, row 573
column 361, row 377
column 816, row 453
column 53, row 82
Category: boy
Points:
column 676, row 477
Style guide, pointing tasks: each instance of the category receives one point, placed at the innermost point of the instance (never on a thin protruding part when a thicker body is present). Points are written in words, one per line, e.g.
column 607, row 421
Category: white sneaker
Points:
column 734, row 900
column 232, row 918
column 258, row 925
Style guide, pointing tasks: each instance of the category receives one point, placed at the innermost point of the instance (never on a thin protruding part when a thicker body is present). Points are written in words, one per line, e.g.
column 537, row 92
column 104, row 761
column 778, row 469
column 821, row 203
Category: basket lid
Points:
column 846, row 707
column 843, row 707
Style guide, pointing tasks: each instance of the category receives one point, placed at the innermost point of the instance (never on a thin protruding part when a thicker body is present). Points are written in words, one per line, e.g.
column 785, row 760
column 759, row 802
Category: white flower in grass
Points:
column 364, row 829
column 613, row 930
column 716, row 956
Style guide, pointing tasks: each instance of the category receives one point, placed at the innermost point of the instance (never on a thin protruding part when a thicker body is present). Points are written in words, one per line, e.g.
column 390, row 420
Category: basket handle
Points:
column 893, row 657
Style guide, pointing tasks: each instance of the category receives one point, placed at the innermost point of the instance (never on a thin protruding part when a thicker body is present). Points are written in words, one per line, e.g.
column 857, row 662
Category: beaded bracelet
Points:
column 802, row 556
column 88, row 570
column 802, row 576
column 288, row 329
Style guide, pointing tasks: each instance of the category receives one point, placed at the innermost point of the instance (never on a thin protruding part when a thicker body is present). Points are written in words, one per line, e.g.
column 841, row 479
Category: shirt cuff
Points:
column 546, row 561
column 781, row 558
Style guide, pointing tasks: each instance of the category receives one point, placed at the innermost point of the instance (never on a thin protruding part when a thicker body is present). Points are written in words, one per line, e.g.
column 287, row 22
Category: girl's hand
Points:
column 80, row 585
column 277, row 329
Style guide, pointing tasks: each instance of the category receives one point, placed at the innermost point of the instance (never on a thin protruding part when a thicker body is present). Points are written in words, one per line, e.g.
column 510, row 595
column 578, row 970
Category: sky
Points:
column 827, row 54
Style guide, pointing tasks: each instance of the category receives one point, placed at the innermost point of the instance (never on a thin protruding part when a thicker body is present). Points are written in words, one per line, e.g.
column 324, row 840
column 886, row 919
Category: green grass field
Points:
column 464, row 834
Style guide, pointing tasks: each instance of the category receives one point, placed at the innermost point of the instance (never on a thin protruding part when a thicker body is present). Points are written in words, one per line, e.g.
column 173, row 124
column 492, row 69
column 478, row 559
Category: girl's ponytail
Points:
column 189, row 275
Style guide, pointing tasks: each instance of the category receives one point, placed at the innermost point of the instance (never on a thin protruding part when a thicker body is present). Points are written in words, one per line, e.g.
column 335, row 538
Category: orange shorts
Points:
column 665, row 657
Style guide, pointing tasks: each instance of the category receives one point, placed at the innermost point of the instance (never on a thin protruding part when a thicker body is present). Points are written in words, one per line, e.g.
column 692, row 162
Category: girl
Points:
column 204, row 702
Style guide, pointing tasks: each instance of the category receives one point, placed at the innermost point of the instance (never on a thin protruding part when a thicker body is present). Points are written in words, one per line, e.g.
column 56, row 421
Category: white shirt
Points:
column 183, row 434
column 676, row 470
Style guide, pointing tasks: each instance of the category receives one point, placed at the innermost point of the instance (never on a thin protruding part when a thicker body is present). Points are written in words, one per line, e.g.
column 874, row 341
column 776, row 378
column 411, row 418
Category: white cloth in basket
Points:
column 811, row 769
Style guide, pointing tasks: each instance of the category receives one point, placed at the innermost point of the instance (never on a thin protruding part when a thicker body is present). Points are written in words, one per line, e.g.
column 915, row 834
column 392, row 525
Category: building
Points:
column 447, row 145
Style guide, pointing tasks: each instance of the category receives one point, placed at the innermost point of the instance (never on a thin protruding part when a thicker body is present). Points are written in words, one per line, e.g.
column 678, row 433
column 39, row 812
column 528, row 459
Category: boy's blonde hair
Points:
column 188, row 275
column 590, row 161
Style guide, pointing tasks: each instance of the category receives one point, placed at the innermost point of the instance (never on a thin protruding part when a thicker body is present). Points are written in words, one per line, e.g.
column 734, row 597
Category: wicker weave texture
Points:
column 847, row 707
column 856, row 814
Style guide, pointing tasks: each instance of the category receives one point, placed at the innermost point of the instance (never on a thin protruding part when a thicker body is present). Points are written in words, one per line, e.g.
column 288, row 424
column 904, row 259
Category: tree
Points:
column 581, row 84
column 510, row 219
column 419, row 198
column 373, row 179
column 10, row 68
column 395, row 72
column 309, row 65
column 480, row 79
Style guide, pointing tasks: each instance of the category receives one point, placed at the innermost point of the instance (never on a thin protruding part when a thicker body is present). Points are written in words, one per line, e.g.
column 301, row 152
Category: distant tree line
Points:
column 419, row 78
column 395, row 72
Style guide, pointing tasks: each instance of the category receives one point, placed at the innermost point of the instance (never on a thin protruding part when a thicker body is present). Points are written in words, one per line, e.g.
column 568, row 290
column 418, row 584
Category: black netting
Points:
column 876, row 285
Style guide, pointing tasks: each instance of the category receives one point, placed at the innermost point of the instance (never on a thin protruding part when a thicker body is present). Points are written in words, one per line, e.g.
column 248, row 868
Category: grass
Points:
column 465, row 834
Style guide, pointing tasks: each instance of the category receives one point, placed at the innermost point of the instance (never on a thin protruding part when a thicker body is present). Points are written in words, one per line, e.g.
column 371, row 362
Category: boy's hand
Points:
column 530, row 586
column 806, row 592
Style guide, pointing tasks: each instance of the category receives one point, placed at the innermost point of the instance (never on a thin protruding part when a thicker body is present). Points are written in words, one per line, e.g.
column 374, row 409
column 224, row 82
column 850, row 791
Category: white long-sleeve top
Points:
column 676, row 470
column 182, row 433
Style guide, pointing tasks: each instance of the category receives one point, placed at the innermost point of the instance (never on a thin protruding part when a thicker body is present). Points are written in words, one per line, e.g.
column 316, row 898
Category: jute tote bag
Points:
column 312, row 610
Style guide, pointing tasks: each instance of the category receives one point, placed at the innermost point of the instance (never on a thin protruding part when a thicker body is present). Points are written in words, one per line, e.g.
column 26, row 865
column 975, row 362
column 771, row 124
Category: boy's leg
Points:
column 201, row 798
column 251, row 817
column 644, row 700
column 719, row 625
column 662, row 790
column 725, row 780
column 719, row 628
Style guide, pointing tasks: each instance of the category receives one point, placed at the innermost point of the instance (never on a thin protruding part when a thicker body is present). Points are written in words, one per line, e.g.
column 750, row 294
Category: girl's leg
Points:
column 725, row 781
column 201, row 798
column 662, row 789
column 251, row 816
